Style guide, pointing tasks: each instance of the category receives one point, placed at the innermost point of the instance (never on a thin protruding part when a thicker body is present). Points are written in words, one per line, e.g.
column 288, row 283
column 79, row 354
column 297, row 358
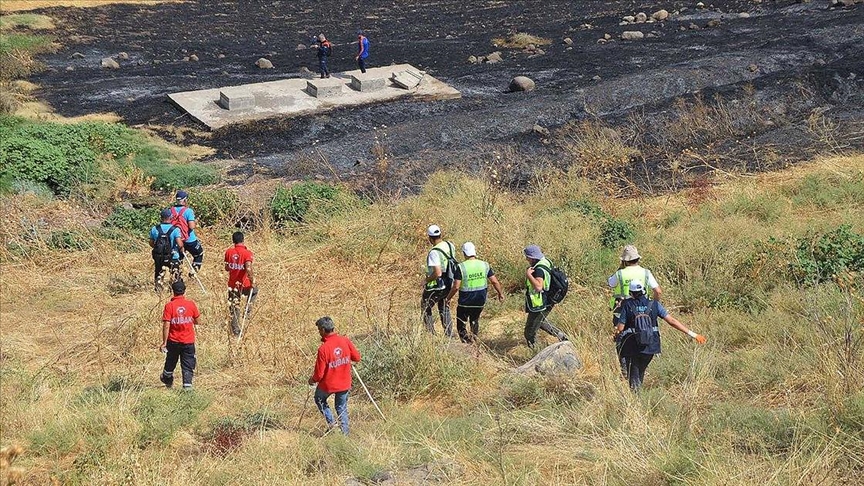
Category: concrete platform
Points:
column 325, row 88
column 289, row 97
column 367, row 82
column 236, row 99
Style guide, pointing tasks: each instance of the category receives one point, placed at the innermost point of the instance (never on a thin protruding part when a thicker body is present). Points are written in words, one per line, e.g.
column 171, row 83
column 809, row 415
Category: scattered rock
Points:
column 660, row 15
column 264, row 63
column 186, row 59
column 602, row 40
column 539, row 52
column 220, row 56
column 743, row 15
column 641, row 18
column 473, row 59
column 77, row 55
column 569, row 48
column 557, row 359
column 700, row 5
column 607, row 36
column 682, row 28
column 753, row 68
column 693, row 27
column 651, row 35
column 306, row 73
column 629, row 19
column 522, row 83
column 713, row 23
column 70, row 68
column 543, row 131
column 494, row 57
column 586, row 26
column 300, row 47
column 567, row 41
column 109, row 63
column 123, row 56
column 193, row 58
column 596, row 77
column 632, row 35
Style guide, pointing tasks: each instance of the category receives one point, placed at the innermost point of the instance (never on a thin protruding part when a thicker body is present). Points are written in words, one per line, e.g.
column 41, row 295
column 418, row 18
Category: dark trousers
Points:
column 322, row 67
column 361, row 63
column 185, row 353
column 466, row 316
column 197, row 251
column 539, row 320
column 163, row 271
column 430, row 299
column 238, row 308
column 634, row 367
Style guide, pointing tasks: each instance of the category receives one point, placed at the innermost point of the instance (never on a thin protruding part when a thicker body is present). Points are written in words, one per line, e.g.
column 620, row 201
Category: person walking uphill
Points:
column 179, row 319
column 362, row 51
column 166, row 242
column 639, row 335
column 325, row 50
column 183, row 217
column 241, row 280
column 333, row 372
column 439, row 278
column 537, row 304
column 471, row 279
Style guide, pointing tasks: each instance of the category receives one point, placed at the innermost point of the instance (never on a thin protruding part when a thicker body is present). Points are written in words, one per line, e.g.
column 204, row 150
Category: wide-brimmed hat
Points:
column 533, row 252
column 630, row 253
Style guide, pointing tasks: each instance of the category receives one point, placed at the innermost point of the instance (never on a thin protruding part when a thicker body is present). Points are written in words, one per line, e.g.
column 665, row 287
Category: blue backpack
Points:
column 643, row 323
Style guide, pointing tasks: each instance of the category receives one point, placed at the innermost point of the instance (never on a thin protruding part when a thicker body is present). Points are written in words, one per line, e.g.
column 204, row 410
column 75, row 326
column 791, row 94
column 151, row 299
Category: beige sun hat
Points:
column 630, row 253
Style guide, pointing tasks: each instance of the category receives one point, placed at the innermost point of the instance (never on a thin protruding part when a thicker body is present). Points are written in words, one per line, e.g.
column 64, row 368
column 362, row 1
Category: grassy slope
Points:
column 771, row 399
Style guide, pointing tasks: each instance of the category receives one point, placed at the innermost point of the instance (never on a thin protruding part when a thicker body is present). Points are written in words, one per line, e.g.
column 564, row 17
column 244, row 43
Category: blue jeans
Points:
column 341, row 404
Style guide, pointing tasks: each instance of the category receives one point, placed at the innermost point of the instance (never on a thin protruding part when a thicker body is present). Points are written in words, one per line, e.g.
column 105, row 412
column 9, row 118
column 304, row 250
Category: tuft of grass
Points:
column 26, row 20
column 521, row 40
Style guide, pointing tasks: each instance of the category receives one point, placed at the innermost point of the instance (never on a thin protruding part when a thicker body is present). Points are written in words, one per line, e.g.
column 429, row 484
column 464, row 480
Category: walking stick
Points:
column 245, row 313
column 367, row 393
column 305, row 403
column 195, row 274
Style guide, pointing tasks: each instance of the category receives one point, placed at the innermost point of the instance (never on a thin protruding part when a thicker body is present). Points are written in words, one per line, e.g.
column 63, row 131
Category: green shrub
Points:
column 161, row 414
column 614, row 232
column 69, row 240
column 291, row 205
column 819, row 257
column 214, row 206
column 136, row 221
column 170, row 177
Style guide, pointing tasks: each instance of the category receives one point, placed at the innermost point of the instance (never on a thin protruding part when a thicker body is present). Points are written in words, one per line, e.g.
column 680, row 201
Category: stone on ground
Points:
column 194, row 58
column 632, row 35
column 123, row 56
column 494, row 57
column 264, row 63
column 557, row 359
column 661, row 14
column 641, row 17
column 109, row 63
column 522, row 83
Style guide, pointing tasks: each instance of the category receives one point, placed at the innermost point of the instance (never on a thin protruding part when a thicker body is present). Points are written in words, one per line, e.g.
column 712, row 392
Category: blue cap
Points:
column 533, row 252
column 166, row 213
column 359, row 31
column 182, row 195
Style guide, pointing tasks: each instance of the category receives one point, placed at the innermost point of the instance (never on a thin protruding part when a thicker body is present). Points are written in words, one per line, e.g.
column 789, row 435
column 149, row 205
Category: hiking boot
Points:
column 167, row 380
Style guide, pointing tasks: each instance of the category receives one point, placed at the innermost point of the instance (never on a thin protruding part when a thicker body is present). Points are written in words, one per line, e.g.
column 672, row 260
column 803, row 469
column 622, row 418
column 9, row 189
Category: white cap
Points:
column 433, row 230
column 468, row 249
column 636, row 286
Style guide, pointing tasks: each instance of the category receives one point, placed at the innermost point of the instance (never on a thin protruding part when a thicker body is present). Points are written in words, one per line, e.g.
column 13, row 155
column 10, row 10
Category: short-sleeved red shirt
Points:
column 181, row 313
column 236, row 258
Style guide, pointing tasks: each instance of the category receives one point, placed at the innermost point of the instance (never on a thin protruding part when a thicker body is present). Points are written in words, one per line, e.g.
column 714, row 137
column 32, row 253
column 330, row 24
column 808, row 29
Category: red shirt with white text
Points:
column 333, row 365
column 181, row 313
column 236, row 258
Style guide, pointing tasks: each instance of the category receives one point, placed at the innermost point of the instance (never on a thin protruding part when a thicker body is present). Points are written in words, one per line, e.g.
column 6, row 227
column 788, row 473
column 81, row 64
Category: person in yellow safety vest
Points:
column 537, row 306
column 471, row 279
column 438, row 280
column 629, row 271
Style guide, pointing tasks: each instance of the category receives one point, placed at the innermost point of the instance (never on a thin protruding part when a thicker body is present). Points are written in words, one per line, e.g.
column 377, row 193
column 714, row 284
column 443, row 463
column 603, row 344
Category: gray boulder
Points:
column 264, row 64
column 522, row 83
column 109, row 63
column 661, row 14
column 557, row 359
column 494, row 57
column 632, row 35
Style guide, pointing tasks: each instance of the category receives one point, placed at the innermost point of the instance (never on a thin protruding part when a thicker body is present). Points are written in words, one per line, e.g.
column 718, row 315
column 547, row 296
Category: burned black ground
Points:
column 788, row 61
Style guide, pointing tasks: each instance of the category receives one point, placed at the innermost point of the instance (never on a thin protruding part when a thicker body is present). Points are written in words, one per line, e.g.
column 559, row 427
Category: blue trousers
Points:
column 341, row 404
column 361, row 63
column 322, row 66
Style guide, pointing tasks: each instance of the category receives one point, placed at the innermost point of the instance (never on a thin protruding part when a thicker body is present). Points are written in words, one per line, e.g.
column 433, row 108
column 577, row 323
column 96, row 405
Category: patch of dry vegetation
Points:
column 23, row 5
column 772, row 397
column 521, row 40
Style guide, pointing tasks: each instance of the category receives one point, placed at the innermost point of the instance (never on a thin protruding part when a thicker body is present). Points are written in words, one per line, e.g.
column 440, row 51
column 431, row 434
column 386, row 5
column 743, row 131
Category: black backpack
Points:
column 162, row 247
column 559, row 284
column 447, row 275
column 645, row 324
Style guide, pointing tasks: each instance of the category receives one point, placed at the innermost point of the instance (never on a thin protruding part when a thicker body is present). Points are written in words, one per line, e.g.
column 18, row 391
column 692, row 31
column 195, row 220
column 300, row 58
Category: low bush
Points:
column 214, row 206
column 69, row 240
column 297, row 203
column 820, row 257
column 136, row 221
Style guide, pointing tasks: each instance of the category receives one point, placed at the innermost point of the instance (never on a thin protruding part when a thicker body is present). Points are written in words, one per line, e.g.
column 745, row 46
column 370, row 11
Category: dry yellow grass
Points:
column 75, row 321
column 23, row 5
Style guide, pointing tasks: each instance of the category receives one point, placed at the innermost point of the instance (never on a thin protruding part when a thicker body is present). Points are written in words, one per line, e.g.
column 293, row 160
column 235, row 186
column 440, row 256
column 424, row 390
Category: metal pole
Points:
column 245, row 313
column 367, row 392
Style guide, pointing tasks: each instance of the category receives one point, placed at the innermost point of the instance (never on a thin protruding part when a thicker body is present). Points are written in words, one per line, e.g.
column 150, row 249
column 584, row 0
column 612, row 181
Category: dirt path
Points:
column 778, row 47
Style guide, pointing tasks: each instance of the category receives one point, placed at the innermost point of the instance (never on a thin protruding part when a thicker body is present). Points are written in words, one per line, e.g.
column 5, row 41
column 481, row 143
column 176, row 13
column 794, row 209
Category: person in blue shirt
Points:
column 471, row 279
column 183, row 217
column 166, row 240
column 638, row 333
column 362, row 51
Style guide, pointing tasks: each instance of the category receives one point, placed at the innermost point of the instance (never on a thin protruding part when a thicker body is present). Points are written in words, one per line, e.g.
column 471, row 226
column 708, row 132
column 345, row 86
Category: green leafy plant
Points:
column 819, row 257
column 214, row 206
column 291, row 205
column 132, row 220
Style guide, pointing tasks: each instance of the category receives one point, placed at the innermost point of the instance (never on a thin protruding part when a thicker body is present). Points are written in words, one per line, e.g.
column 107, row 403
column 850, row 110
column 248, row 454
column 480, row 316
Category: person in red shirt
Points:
column 333, row 372
column 241, row 280
column 179, row 319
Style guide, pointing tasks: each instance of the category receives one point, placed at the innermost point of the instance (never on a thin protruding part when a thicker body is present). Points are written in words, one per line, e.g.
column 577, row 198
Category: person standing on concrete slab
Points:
column 325, row 50
column 537, row 305
column 471, row 279
column 362, row 51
